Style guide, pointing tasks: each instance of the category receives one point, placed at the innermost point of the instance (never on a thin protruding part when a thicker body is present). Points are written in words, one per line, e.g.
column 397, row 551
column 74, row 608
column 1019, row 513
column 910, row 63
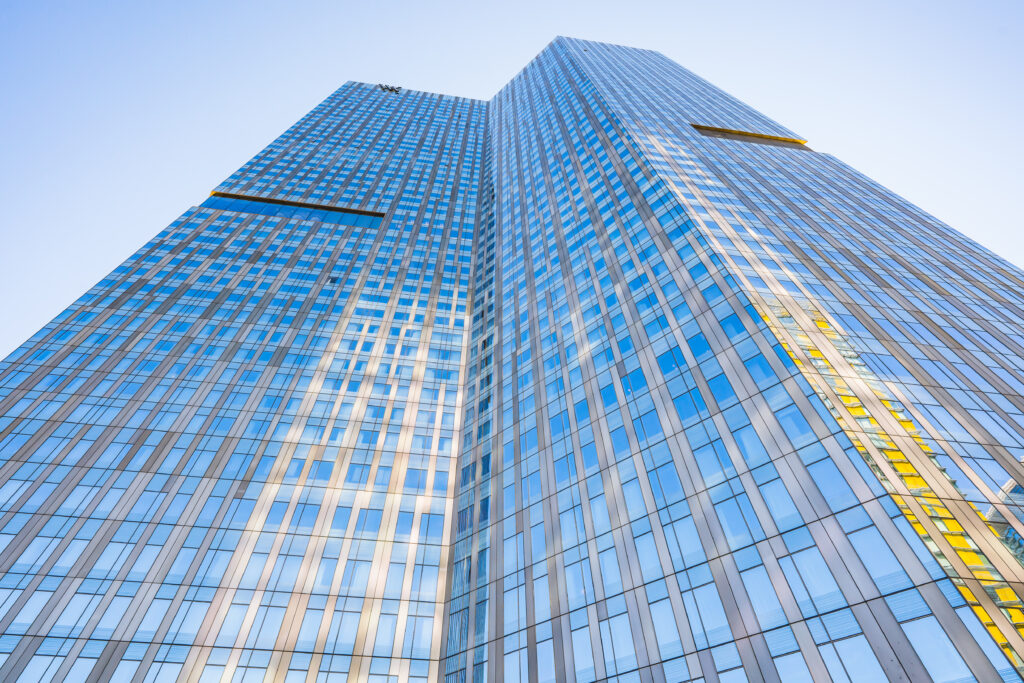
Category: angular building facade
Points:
column 610, row 378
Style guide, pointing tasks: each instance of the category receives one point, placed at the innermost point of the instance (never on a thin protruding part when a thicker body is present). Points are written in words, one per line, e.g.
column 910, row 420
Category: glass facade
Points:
column 610, row 378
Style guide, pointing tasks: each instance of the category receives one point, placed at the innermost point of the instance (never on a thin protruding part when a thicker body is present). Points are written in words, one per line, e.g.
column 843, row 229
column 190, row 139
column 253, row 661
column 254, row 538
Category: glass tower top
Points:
column 609, row 378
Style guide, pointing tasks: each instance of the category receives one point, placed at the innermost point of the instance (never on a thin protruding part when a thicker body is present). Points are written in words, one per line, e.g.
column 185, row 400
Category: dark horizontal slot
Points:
column 283, row 208
column 744, row 136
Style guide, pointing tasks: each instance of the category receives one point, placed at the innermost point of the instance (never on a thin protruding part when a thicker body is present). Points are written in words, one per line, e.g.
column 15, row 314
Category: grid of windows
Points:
column 557, row 387
column 701, row 457
column 234, row 455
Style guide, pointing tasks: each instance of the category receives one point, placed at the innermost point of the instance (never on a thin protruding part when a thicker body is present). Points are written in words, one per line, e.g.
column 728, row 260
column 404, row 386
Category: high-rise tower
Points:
column 609, row 378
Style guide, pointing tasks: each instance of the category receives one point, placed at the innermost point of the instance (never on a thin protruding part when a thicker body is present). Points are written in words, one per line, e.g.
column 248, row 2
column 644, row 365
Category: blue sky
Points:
column 116, row 116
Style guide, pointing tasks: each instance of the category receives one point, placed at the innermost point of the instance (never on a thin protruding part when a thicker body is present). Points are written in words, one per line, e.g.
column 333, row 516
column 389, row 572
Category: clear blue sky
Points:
column 116, row 116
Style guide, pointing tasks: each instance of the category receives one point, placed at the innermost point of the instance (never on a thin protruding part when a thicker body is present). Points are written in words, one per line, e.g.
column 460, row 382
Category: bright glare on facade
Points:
column 610, row 378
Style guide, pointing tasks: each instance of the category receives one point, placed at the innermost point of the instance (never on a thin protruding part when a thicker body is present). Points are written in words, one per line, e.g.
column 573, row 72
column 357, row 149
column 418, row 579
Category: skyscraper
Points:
column 608, row 378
